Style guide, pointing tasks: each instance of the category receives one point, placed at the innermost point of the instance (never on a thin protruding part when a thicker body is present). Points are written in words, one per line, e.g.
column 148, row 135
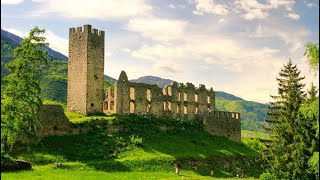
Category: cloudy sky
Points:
column 235, row 46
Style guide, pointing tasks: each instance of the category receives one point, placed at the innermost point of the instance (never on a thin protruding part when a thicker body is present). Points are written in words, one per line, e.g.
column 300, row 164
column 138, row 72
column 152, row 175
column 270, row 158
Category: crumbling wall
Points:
column 175, row 100
column 225, row 124
column 54, row 121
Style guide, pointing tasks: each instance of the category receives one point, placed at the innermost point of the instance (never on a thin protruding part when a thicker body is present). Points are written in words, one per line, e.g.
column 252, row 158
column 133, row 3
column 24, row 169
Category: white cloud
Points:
column 11, row 2
column 255, row 14
column 294, row 16
column 209, row 7
column 295, row 37
column 288, row 4
column 172, row 6
column 126, row 50
column 159, row 29
column 224, row 51
column 258, row 65
column 311, row 5
column 57, row 43
column 96, row 9
column 221, row 21
column 167, row 67
column 252, row 9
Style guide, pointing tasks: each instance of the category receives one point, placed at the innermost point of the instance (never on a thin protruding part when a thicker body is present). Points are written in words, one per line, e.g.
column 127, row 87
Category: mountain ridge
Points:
column 17, row 39
column 162, row 82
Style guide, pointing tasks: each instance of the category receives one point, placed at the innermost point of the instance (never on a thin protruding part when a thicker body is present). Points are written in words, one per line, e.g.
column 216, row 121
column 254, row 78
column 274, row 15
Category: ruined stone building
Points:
column 85, row 91
column 176, row 101
column 85, row 70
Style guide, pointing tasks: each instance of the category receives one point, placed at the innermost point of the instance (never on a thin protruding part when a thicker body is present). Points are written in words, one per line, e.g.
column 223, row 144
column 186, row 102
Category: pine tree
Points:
column 283, row 114
column 312, row 93
column 20, row 98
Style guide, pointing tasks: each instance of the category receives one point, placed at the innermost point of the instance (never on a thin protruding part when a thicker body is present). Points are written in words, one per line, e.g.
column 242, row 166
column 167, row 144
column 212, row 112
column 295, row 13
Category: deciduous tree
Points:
column 20, row 98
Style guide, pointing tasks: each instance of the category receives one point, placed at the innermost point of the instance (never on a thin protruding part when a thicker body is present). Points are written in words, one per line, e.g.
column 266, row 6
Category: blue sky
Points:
column 235, row 46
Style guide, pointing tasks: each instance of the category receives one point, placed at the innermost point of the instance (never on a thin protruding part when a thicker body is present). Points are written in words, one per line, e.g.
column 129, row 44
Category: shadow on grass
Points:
column 181, row 141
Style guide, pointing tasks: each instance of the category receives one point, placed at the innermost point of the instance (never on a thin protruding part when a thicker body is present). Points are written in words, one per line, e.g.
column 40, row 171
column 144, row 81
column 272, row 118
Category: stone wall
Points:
column 223, row 123
column 54, row 121
column 85, row 70
column 175, row 100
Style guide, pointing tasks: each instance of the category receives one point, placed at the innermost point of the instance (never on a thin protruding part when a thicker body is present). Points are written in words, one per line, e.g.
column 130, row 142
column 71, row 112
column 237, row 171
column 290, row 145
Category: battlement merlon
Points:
column 202, row 87
column 232, row 115
column 86, row 29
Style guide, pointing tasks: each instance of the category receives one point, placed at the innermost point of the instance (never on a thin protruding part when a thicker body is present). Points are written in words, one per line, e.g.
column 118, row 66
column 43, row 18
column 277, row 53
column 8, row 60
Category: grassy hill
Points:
column 252, row 113
column 133, row 147
column 138, row 147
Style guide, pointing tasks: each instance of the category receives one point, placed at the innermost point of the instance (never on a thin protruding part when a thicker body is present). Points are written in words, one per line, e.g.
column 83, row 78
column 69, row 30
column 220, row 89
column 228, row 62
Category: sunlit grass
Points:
column 90, row 156
column 254, row 134
column 50, row 172
column 78, row 117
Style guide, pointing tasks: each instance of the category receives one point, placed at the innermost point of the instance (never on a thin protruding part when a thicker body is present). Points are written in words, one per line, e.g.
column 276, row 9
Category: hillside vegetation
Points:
column 147, row 146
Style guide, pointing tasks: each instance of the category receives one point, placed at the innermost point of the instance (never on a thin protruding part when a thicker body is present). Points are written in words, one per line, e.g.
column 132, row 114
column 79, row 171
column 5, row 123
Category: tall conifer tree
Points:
column 283, row 114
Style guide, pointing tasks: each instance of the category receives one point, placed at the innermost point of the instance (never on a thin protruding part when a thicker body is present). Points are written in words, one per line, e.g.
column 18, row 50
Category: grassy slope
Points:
column 100, row 154
column 47, row 171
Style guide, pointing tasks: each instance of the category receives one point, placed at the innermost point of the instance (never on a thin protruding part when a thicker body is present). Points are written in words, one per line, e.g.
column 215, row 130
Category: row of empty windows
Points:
column 166, row 106
column 107, row 107
column 149, row 95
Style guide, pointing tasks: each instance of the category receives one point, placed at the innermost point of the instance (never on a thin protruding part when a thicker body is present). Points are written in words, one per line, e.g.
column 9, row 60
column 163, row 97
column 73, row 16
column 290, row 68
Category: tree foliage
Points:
column 20, row 98
column 312, row 53
column 312, row 93
column 284, row 119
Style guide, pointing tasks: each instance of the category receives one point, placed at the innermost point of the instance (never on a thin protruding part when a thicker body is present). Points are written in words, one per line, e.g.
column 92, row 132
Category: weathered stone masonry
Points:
column 85, row 70
column 85, row 91
column 175, row 100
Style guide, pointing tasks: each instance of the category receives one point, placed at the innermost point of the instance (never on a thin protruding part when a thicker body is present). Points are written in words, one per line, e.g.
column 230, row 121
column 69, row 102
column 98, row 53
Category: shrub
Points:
column 255, row 144
column 136, row 140
column 314, row 163
column 268, row 176
column 6, row 159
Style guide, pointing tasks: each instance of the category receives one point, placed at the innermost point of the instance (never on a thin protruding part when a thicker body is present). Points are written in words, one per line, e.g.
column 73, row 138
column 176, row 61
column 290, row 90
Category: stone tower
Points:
column 85, row 70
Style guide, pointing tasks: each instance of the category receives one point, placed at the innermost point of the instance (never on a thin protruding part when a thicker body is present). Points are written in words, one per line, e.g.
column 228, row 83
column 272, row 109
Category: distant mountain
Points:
column 153, row 80
column 109, row 80
column 163, row 82
column 224, row 95
column 14, row 39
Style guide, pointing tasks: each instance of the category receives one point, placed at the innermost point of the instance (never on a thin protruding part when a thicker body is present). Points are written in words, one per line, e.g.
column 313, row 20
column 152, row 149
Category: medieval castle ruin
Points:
column 85, row 91
column 85, row 70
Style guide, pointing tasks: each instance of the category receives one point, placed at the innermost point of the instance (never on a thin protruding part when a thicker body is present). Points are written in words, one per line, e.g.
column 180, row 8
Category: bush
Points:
column 268, row 176
column 255, row 144
column 314, row 163
column 6, row 159
column 136, row 140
